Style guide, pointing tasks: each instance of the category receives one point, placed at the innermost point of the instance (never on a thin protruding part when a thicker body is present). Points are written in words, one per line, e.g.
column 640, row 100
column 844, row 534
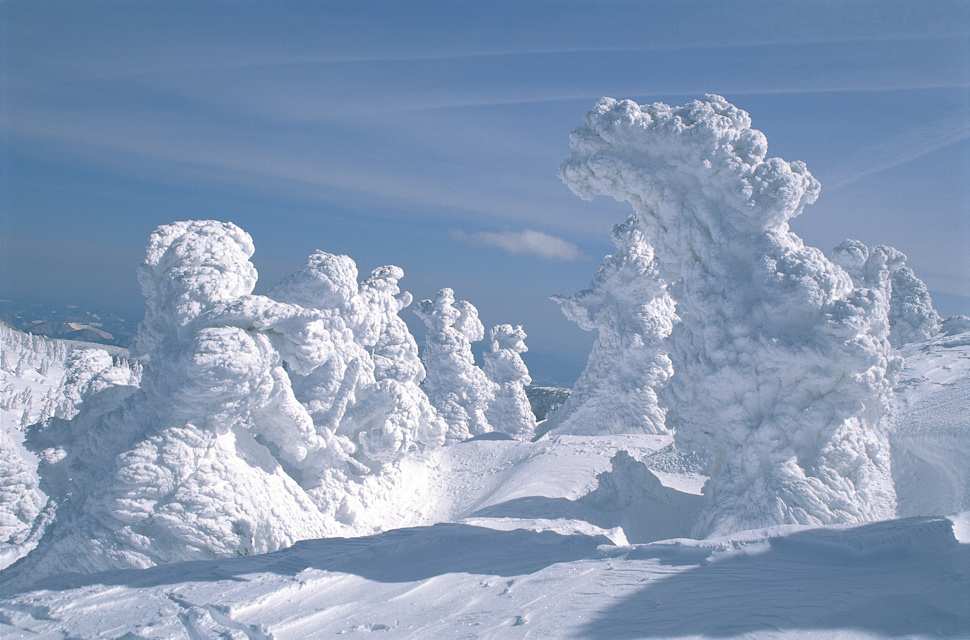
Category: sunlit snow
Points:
column 768, row 440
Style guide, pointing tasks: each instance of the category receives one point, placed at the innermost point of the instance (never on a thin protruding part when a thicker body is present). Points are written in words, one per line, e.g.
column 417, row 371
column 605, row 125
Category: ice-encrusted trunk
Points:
column 628, row 304
column 782, row 368
column 509, row 411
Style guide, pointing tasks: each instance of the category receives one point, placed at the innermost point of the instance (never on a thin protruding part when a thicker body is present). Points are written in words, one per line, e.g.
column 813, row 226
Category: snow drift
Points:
column 782, row 367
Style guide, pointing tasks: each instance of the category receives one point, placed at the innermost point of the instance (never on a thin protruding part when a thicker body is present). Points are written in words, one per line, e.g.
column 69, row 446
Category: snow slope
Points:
column 930, row 439
column 534, row 540
column 454, row 580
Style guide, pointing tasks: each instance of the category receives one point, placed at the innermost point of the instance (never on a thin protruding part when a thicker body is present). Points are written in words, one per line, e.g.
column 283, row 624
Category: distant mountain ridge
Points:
column 70, row 322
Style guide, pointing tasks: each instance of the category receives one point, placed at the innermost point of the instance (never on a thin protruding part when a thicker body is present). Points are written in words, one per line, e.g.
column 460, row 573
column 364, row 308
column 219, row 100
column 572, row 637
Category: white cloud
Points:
column 526, row 241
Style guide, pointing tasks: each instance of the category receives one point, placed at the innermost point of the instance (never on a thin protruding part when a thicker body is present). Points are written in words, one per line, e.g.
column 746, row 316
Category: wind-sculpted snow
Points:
column 509, row 411
column 911, row 314
column 40, row 378
column 458, row 389
column 628, row 304
column 782, row 368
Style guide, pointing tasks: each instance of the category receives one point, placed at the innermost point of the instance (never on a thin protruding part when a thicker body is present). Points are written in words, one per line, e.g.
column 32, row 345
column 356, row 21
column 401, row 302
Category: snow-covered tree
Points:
column 201, row 460
column 458, row 389
column 628, row 304
column 509, row 411
column 381, row 410
column 912, row 317
column 395, row 351
column 782, row 368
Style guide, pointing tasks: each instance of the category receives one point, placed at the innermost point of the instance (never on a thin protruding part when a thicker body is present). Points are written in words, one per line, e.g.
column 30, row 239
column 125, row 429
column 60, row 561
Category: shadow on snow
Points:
column 895, row 578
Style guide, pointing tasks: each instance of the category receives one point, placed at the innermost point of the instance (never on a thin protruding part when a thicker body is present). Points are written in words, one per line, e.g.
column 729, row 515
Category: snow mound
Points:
column 782, row 367
column 901, row 578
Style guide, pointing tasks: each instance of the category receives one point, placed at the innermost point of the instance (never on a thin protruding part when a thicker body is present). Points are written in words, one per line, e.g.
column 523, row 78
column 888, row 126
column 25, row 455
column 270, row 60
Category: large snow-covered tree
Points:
column 782, row 368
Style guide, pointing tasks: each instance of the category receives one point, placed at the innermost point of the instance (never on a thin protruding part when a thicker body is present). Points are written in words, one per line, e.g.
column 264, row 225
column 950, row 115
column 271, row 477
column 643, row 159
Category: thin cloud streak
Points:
column 236, row 63
column 169, row 155
column 899, row 150
column 526, row 241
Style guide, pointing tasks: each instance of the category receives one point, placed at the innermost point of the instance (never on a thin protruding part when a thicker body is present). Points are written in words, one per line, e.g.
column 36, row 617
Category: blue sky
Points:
column 428, row 135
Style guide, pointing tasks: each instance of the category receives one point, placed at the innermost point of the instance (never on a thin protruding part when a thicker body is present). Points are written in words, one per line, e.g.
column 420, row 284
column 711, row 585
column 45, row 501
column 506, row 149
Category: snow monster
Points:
column 782, row 369
column 205, row 459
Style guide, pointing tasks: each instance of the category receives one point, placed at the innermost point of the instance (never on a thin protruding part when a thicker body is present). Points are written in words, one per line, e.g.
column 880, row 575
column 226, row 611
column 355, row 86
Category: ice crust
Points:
column 782, row 367
column 628, row 304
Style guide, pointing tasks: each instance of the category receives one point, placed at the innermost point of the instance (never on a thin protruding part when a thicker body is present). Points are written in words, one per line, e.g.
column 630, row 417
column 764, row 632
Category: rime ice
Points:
column 782, row 368
column 458, row 389
column 186, row 466
column 628, row 304
column 509, row 411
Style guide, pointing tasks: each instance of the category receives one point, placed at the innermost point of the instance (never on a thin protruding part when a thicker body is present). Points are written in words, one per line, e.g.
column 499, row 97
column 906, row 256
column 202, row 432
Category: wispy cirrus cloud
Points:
column 526, row 241
column 902, row 148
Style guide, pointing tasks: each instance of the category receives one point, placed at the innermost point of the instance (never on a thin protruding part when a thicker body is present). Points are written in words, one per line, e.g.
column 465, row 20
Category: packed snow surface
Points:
column 525, row 549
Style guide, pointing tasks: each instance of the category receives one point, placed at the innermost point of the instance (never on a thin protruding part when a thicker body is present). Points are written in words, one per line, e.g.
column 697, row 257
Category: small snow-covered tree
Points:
column 380, row 410
column 509, row 411
column 457, row 388
column 912, row 317
column 782, row 368
column 628, row 304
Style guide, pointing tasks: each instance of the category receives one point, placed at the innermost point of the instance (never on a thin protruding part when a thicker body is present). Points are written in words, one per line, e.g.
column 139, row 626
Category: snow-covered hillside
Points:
column 768, row 441
column 523, row 540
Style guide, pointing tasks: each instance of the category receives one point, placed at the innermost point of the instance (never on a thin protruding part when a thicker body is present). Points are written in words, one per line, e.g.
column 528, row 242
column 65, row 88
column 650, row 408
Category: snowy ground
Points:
column 456, row 580
column 522, row 540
